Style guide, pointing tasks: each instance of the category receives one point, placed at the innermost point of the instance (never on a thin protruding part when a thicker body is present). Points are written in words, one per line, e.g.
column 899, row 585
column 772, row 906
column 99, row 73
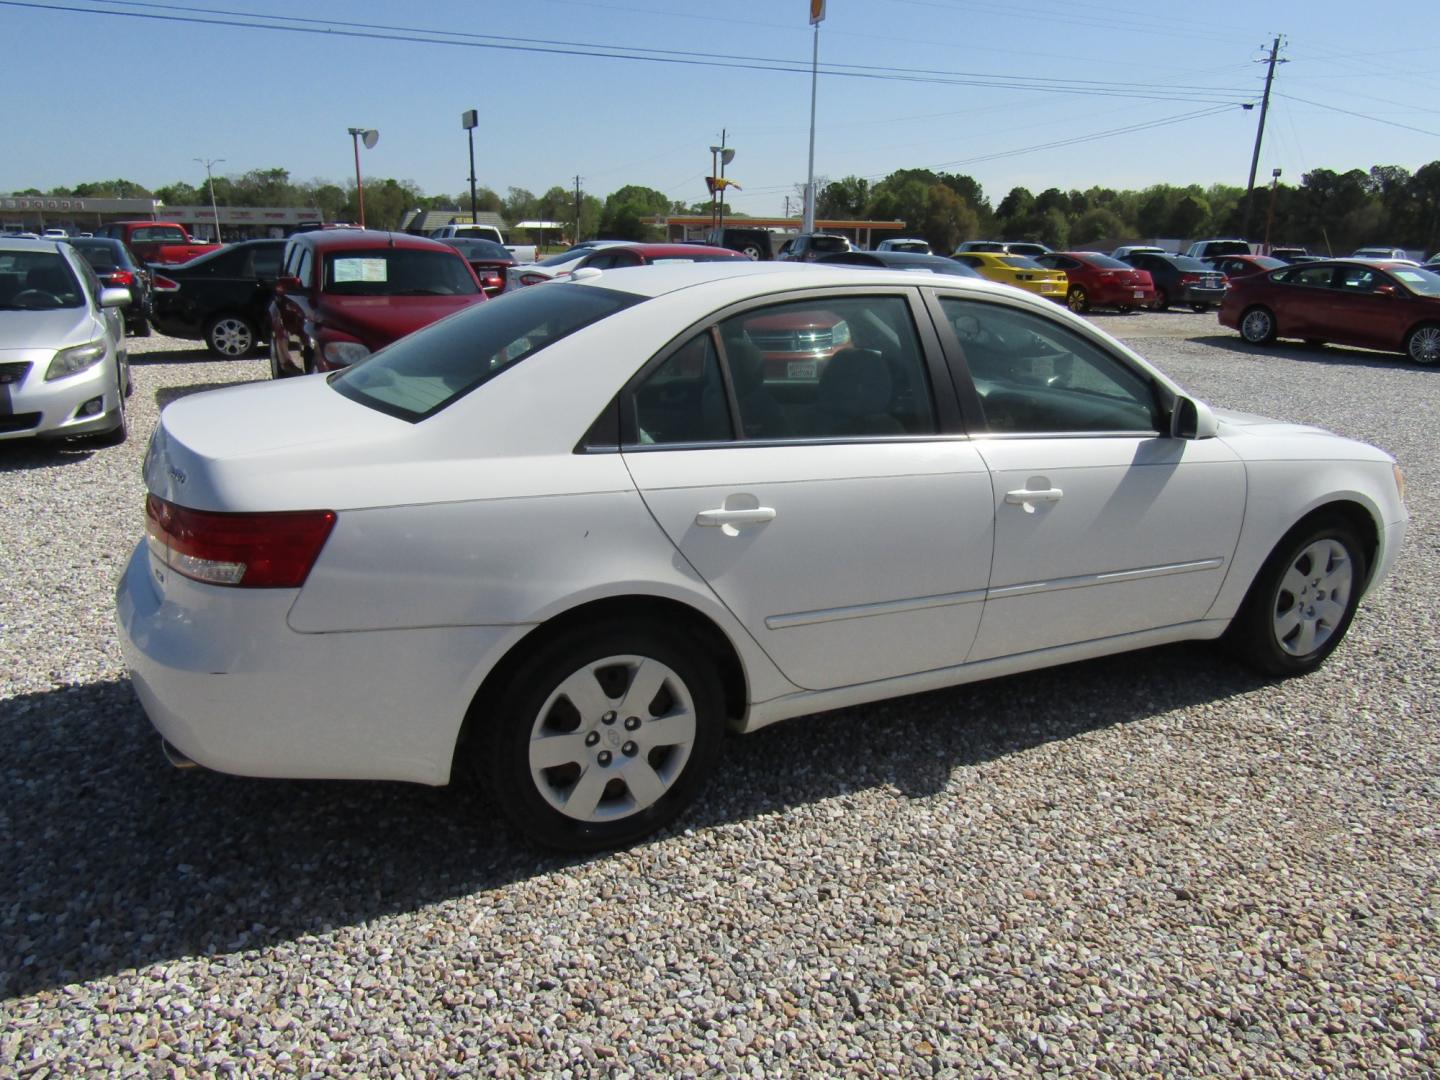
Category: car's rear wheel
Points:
column 1423, row 344
column 1162, row 300
column 230, row 336
column 603, row 735
column 1257, row 326
column 1302, row 602
column 1077, row 299
column 751, row 251
column 140, row 327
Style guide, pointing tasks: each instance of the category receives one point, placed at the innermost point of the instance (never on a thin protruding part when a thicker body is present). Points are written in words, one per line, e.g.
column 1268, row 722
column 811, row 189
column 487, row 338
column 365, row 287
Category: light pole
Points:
column 371, row 137
column 468, row 119
column 1270, row 214
column 210, row 179
column 817, row 16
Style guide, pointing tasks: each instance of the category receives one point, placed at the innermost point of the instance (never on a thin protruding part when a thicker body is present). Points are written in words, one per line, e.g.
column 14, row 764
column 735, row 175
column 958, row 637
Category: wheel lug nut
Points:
column 608, row 718
column 603, row 757
column 632, row 723
column 630, row 749
column 592, row 738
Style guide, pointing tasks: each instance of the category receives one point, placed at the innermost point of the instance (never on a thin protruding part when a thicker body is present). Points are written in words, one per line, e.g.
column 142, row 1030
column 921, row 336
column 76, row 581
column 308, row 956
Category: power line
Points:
column 416, row 35
column 1362, row 116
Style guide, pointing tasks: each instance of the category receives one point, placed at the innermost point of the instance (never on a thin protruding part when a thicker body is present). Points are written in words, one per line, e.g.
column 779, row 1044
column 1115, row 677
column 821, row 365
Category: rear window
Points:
column 1022, row 262
column 424, row 372
column 1105, row 262
column 397, row 272
column 830, row 243
column 1185, row 262
column 158, row 234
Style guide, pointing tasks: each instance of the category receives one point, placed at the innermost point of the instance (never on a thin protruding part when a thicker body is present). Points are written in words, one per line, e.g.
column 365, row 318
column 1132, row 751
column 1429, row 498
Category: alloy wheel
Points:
column 230, row 336
column 612, row 738
column 1313, row 597
column 1424, row 345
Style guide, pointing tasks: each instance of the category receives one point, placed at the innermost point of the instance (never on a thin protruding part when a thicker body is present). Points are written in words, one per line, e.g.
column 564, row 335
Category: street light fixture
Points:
column 210, row 179
column 370, row 137
column 469, row 119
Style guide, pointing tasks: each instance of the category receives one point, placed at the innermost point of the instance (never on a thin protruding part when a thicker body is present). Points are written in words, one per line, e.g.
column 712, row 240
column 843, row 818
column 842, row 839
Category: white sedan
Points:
column 568, row 536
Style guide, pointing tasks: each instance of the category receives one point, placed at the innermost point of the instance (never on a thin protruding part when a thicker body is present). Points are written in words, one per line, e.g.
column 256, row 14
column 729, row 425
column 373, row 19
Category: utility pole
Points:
column 214, row 212
column 817, row 15
column 1259, row 134
column 721, row 192
column 468, row 120
column 576, row 238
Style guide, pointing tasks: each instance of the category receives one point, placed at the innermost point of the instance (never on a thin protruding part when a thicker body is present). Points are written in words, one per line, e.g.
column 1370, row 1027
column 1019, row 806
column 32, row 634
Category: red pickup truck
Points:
column 160, row 243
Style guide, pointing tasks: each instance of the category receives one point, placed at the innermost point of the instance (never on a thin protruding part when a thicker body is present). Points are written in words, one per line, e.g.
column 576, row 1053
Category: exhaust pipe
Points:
column 174, row 756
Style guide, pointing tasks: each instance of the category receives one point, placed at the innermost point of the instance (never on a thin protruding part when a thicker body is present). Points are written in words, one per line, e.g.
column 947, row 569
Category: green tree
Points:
column 519, row 205
column 626, row 213
column 1098, row 227
column 947, row 219
column 848, row 197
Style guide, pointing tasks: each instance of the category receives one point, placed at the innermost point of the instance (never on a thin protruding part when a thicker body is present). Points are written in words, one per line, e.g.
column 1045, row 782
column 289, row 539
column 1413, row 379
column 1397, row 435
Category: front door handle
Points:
column 723, row 518
column 1028, row 497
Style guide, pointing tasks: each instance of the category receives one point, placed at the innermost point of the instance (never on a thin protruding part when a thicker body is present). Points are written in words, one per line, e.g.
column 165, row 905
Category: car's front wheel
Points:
column 1423, row 344
column 603, row 735
column 230, row 336
column 1301, row 604
column 1200, row 309
column 1257, row 326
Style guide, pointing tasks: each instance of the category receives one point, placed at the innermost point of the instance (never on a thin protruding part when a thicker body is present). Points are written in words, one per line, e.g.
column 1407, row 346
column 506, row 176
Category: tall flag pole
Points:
column 817, row 15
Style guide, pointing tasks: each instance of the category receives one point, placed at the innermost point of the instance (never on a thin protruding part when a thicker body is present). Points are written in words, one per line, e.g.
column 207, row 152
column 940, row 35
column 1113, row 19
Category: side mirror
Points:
column 114, row 297
column 1191, row 419
column 288, row 283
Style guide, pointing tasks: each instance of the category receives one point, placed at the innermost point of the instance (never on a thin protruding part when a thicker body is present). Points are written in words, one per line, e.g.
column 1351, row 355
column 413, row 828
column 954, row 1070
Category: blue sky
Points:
column 123, row 96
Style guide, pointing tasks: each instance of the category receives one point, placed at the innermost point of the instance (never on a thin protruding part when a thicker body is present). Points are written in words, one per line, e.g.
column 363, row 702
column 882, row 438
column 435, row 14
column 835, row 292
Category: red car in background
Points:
column 1097, row 279
column 159, row 243
column 346, row 293
column 1238, row 266
column 1370, row 304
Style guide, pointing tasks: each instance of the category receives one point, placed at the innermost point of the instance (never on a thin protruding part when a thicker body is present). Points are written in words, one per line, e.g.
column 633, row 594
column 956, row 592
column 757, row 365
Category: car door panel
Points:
column 873, row 564
column 1139, row 536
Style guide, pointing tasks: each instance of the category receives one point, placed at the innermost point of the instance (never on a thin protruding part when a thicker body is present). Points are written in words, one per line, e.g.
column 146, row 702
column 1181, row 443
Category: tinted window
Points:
column 1307, row 275
column 1360, row 279
column 265, row 261
column 683, row 400
column 1021, row 262
column 164, row 234
column 397, row 272
column 829, row 243
column 424, row 372
column 38, row 281
column 1105, row 262
column 100, row 256
column 1034, row 375
column 1185, row 262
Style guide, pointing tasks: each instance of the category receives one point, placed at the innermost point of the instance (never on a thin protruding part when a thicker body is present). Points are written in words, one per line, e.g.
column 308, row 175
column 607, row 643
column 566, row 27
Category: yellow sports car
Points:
column 1017, row 270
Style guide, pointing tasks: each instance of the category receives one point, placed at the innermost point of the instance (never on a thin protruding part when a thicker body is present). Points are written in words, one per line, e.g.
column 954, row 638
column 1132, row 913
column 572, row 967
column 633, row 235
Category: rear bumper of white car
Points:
column 230, row 686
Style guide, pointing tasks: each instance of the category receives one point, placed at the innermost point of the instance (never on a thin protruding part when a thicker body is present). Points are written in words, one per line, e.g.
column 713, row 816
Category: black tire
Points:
column 1260, row 635
column 751, row 251
column 139, row 328
column 1162, row 300
column 1200, row 309
column 231, row 336
column 1077, row 299
column 534, row 703
column 1124, row 309
column 1257, row 325
column 121, row 431
column 1422, row 344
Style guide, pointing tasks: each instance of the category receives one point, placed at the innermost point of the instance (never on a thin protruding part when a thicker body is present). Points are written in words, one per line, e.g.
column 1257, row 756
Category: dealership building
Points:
column 35, row 213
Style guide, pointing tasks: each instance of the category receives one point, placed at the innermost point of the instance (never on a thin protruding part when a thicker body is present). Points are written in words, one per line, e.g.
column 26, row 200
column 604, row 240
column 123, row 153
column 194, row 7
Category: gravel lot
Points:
column 1153, row 864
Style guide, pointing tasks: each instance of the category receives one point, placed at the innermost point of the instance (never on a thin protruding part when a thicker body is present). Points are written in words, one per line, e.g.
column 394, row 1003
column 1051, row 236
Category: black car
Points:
column 489, row 260
column 220, row 298
column 117, row 267
column 755, row 244
column 1179, row 279
column 901, row 260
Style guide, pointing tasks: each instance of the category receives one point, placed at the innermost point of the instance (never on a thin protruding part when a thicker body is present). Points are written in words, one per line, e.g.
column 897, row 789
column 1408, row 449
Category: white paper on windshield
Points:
column 361, row 270
column 1407, row 276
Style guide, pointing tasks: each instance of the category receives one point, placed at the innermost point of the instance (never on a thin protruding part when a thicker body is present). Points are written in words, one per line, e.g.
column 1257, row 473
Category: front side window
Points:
column 1035, row 376
column 426, row 371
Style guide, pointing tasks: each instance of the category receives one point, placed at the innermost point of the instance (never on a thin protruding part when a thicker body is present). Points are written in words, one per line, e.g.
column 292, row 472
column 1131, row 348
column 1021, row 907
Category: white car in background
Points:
column 910, row 244
column 64, row 367
column 570, row 535
column 553, row 266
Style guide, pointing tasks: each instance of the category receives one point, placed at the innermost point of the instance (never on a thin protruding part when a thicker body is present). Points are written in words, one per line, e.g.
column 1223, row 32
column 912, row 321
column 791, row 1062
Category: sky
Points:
column 1039, row 93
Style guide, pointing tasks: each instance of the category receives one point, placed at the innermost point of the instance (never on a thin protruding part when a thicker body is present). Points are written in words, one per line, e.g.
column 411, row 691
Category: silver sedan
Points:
column 64, row 369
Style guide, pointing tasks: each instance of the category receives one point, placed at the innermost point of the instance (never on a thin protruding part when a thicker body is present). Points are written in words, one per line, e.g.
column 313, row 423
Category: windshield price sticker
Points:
column 361, row 270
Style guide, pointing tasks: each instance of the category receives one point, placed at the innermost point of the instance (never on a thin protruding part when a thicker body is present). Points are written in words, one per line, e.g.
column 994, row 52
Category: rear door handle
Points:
column 720, row 518
column 1028, row 497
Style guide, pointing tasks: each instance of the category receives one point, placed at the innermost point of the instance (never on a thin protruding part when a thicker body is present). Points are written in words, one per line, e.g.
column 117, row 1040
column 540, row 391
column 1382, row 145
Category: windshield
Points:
column 37, row 281
column 397, row 272
column 421, row 374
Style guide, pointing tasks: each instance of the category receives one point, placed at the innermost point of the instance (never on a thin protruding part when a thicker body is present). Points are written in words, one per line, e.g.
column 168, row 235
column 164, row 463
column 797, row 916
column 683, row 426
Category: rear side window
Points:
column 426, row 371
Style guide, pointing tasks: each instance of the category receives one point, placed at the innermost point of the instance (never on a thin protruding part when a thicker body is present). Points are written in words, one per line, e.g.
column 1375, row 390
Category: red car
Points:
column 1238, row 266
column 159, row 243
column 346, row 293
column 1097, row 279
column 1371, row 304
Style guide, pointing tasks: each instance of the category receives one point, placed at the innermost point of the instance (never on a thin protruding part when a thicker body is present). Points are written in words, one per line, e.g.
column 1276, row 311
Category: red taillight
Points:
column 253, row 551
column 161, row 283
column 1189, row 279
column 121, row 277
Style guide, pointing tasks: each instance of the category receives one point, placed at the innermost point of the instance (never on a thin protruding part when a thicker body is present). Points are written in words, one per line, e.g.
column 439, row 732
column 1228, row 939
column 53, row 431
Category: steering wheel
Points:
column 27, row 299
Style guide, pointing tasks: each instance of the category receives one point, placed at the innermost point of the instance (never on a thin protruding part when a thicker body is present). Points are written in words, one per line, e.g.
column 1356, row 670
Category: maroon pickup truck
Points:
column 160, row 243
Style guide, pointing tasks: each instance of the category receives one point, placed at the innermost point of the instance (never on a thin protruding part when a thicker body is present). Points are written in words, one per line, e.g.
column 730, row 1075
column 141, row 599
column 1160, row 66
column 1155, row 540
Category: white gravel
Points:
column 1155, row 864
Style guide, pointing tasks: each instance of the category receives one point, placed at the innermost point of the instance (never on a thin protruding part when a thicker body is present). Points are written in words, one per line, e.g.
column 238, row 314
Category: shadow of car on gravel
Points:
column 1310, row 354
column 117, row 861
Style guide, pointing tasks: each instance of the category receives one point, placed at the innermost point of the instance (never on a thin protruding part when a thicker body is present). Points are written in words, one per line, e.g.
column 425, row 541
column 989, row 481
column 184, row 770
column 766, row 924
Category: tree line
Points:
column 1327, row 211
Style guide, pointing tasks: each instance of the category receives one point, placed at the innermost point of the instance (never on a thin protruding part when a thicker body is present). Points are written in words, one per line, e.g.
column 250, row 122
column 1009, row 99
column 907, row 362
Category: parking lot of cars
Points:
column 1154, row 863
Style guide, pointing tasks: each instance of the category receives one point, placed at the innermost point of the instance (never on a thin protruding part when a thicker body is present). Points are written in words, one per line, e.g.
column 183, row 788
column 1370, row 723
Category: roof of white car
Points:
column 657, row 280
